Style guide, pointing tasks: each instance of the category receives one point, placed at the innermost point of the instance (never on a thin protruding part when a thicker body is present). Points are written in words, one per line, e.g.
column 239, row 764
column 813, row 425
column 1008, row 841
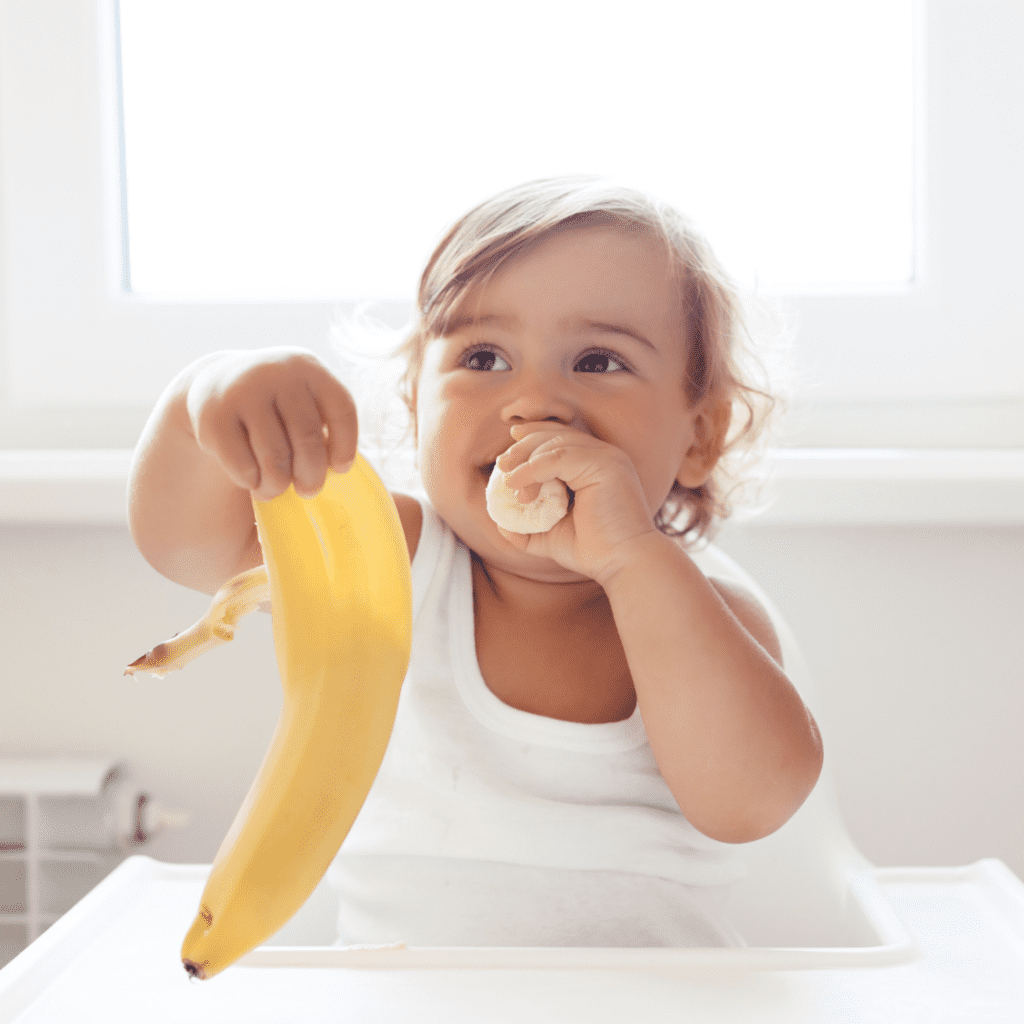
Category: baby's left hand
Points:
column 609, row 509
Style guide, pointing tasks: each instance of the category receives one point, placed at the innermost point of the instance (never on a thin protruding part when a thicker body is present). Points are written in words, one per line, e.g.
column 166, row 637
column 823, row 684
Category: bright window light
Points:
column 317, row 150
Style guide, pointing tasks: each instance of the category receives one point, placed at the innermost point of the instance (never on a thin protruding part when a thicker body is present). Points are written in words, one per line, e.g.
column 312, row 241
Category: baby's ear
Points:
column 710, row 424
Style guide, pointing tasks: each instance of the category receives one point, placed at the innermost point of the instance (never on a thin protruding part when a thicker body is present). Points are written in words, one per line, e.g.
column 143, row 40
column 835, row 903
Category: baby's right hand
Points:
column 273, row 417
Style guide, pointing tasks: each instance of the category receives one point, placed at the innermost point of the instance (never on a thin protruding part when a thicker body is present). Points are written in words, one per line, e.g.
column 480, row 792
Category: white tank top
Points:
column 491, row 826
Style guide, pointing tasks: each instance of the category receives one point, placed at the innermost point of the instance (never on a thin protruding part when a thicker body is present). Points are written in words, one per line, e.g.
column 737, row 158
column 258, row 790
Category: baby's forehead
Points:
column 575, row 244
column 622, row 289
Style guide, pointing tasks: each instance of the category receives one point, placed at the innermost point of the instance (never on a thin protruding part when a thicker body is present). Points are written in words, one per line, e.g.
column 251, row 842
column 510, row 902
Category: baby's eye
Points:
column 601, row 362
column 482, row 359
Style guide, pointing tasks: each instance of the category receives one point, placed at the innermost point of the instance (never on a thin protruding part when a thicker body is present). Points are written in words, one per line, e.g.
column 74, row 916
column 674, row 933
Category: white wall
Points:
column 913, row 635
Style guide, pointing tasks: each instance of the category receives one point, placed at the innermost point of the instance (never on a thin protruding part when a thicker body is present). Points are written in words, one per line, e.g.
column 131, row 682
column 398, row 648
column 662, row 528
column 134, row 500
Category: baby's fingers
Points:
column 340, row 420
column 273, row 418
column 313, row 428
column 305, row 432
column 271, row 452
column 233, row 449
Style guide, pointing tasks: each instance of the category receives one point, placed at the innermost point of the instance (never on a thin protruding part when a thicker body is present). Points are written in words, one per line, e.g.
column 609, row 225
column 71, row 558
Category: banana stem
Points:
column 241, row 595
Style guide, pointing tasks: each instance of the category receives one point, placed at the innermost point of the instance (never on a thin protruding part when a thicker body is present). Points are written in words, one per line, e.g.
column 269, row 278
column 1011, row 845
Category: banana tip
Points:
column 194, row 970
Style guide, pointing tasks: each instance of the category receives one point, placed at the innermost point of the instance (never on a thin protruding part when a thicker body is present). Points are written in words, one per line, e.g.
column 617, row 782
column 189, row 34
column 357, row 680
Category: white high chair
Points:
column 830, row 938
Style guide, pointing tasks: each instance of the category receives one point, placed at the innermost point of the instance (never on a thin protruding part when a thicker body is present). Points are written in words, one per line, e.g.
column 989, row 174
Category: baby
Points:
column 589, row 725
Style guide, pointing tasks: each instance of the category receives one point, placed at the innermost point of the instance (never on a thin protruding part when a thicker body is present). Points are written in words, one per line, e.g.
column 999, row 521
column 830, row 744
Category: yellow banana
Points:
column 341, row 599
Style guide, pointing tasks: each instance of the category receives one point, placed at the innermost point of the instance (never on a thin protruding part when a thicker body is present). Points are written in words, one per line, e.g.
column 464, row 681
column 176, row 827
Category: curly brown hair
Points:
column 722, row 362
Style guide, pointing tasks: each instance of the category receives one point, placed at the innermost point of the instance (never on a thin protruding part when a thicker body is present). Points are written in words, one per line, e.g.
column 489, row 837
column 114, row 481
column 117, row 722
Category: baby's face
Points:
column 585, row 330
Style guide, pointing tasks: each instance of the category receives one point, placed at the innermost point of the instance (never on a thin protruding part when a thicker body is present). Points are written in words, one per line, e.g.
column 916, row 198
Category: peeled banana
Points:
column 341, row 598
column 538, row 516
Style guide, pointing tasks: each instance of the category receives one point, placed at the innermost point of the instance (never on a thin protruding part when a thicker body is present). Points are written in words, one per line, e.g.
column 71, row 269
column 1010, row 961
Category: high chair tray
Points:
column 950, row 947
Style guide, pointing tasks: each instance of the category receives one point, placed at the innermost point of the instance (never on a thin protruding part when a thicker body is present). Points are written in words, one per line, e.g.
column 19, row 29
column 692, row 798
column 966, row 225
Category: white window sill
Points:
column 812, row 486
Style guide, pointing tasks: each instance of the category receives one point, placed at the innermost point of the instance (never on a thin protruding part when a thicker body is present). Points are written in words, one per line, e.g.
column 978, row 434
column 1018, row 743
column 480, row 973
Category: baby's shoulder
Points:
column 754, row 619
column 410, row 512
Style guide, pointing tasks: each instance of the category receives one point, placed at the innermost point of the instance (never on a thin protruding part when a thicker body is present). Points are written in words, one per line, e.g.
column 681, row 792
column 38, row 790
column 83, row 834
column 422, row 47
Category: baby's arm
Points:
column 732, row 738
column 229, row 424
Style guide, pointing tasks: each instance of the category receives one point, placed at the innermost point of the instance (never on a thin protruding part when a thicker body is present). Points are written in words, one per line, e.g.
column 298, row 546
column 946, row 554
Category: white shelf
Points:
column 864, row 486
column 64, row 486
column 811, row 486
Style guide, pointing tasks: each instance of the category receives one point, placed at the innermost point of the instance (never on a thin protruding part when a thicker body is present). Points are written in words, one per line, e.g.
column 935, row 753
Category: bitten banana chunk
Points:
column 538, row 516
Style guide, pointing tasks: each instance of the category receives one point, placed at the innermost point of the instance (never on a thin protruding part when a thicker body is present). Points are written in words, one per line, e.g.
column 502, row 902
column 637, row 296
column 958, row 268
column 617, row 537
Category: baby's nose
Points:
column 535, row 402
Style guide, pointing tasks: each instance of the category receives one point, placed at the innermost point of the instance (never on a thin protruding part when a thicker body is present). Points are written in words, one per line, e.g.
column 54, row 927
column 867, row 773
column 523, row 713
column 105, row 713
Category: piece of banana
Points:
column 341, row 599
column 538, row 516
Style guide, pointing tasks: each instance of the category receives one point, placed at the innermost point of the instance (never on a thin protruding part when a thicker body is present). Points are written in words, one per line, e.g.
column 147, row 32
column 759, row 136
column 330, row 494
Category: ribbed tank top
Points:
column 491, row 826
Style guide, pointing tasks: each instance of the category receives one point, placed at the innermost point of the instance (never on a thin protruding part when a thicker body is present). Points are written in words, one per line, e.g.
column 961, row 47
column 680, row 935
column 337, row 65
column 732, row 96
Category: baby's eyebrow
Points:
column 458, row 323
column 605, row 328
column 568, row 323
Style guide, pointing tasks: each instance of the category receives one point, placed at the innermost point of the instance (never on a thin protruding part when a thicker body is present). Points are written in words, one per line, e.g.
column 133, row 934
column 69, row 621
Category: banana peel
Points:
column 340, row 588
column 241, row 595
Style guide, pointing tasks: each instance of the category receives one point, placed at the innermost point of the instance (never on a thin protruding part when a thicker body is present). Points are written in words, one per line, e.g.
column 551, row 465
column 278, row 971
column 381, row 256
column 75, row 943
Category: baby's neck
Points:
column 548, row 602
column 550, row 649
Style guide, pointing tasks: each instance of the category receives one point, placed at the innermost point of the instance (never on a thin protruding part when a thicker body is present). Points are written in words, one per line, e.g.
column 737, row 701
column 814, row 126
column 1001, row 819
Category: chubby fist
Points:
column 609, row 507
column 273, row 417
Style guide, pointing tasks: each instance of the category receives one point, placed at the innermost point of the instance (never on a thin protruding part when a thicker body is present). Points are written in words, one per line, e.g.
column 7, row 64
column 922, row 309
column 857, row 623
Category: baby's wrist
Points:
column 634, row 560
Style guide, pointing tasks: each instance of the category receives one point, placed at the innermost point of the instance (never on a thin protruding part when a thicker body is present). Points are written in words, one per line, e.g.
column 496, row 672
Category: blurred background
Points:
column 176, row 179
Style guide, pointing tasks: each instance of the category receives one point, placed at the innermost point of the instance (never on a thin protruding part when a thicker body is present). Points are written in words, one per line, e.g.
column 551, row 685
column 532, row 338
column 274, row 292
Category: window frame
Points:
column 62, row 275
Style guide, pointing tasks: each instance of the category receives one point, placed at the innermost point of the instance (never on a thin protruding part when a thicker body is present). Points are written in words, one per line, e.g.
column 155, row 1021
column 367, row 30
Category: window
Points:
column 319, row 156
column 938, row 363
